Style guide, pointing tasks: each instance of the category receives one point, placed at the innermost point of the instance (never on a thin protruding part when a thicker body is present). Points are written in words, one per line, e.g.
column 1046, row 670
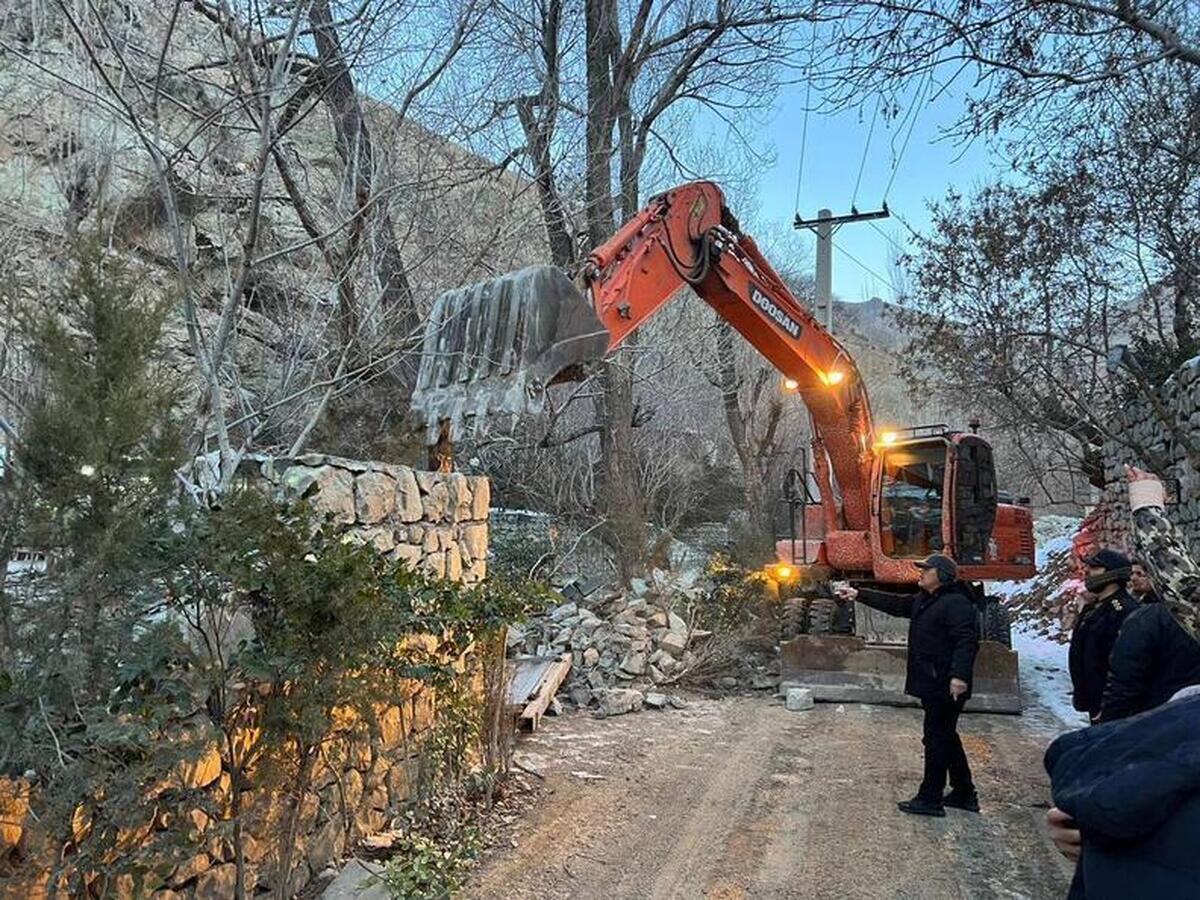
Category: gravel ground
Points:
column 738, row 798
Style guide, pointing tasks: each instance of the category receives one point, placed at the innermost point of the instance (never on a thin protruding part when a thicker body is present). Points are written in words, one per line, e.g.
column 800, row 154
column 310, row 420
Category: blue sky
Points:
column 834, row 150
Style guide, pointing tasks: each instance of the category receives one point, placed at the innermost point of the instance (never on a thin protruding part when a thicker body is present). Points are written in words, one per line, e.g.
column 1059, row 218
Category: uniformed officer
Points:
column 1096, row 629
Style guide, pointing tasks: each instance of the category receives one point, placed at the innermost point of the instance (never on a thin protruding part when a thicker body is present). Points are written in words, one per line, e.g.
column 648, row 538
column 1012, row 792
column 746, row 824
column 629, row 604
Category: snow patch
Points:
column 1045, row 677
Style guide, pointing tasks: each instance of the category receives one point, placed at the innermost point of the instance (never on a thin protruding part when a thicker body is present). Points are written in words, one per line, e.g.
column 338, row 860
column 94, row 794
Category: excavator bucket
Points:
column 492, row 349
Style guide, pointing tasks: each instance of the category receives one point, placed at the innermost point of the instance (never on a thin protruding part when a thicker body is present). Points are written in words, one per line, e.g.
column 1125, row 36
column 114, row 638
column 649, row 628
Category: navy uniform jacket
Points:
column 1092, row 642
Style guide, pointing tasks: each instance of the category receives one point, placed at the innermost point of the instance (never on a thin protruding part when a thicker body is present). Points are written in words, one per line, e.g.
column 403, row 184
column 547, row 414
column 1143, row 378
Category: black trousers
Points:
column 943, row 750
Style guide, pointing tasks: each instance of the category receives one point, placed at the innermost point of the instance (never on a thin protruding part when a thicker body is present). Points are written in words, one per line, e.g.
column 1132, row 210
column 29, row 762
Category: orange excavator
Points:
column 884, row 498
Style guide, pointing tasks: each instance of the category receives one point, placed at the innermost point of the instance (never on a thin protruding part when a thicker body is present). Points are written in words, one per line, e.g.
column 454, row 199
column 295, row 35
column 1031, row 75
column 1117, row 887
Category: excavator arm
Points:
column 688, row 237
column 491, row 349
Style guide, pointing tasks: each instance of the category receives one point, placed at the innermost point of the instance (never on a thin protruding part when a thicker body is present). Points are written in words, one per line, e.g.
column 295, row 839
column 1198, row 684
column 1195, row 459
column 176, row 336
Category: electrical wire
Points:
column 804, row 128
column 858, row 262
column 887, row 237
column 866, row 148
column 912, row 124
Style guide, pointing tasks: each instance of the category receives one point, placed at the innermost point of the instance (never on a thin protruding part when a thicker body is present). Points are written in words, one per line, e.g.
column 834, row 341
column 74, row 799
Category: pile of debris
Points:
column 1048, row 603
column 632, row 650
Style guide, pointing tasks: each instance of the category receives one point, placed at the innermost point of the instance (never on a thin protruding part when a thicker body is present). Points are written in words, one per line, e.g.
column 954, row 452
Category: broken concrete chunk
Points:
column 655, row 700
column 799, row 699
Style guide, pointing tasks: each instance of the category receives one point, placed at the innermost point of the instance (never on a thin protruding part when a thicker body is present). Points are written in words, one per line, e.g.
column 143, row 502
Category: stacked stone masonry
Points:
column 366, row 769
column 435, row 522
column 1145, row 440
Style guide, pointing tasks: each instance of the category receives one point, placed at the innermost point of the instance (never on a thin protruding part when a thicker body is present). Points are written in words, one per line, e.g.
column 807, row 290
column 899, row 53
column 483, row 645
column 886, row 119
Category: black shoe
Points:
column 919, row 806
column 968, row 800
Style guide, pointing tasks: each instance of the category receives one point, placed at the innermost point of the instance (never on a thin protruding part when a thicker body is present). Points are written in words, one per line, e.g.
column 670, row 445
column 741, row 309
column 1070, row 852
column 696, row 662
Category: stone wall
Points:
column 1146, row 441
column 438, row 523
column 366, row 768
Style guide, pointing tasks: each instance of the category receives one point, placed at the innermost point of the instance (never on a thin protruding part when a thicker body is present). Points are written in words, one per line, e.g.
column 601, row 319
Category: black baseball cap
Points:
column 1107, row 559
column 947, row 568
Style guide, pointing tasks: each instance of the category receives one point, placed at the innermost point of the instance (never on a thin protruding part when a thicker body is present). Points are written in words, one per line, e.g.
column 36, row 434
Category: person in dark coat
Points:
column 1132, row 790
column 1152, row 659
column 1127, row 793
column 943, row 638
column 1095, row 631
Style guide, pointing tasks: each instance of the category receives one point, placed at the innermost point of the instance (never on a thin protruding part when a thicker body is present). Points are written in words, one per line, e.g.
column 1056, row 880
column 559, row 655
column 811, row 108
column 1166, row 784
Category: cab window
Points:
column 910, row 507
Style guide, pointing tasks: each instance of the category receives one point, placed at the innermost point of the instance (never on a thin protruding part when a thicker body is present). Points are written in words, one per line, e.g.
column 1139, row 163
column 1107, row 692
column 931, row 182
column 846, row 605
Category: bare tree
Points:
column 623, row 82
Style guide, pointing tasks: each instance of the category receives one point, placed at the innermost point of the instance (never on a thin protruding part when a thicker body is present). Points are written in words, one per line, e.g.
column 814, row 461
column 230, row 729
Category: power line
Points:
column 804, row 128
column 887, row 237
column 866, row 147
column 858, row 262
column 912, row 124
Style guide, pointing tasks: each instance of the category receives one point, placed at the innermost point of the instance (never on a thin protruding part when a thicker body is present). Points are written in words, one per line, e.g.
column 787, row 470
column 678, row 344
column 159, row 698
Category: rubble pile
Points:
column 631, row 650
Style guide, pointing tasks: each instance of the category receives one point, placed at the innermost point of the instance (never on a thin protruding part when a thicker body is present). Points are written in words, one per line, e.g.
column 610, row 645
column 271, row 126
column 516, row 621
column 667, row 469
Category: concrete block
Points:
column 799, row 699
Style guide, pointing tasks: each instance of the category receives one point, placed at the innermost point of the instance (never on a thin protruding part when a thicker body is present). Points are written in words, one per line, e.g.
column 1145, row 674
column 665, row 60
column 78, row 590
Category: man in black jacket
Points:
column 1095, row 631
column 1152, row 659
column 943, row 638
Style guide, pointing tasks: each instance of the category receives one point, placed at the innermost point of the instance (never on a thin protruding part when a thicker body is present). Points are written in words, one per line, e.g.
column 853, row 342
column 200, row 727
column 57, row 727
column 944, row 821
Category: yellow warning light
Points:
column 791, row 384
column 835, row 377
column 783, row 572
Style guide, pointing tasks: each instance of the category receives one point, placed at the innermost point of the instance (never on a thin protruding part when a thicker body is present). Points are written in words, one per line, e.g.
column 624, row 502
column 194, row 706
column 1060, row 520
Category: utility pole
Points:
column 824, row 225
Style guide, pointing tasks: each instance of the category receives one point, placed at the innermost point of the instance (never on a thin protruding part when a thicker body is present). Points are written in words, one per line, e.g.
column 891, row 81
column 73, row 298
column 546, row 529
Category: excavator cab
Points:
column 936, row 493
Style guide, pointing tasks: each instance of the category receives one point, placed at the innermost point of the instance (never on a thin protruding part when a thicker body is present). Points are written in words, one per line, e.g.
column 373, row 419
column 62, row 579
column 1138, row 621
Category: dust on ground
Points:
column 739, row 798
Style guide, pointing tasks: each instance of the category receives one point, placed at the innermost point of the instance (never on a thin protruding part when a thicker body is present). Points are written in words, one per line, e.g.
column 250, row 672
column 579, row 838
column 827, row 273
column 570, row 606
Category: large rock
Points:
column 634, row 663
column 475, row 541
column 334, row 495
column 618, row 701
column 408, row 554
column 459, row 490
column 481, row 498
column 454, row 568
column 14, row 807
column 186, row 871
column 408, row 496
column 374, row 497
column 201, row 771
column 216, row 883
column 437, row 502
column 674, row 643
column 327, row 845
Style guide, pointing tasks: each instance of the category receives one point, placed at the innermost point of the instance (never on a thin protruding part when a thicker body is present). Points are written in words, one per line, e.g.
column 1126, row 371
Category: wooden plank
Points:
column 553, row 680
column 527, row 674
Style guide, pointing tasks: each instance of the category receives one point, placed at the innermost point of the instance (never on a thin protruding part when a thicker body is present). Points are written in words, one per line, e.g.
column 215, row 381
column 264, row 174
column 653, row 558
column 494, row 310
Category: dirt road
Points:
column 739, row 798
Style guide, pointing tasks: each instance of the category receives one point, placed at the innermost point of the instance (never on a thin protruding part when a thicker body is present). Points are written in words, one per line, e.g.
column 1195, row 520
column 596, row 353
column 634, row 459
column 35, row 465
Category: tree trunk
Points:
column 759, row 546
column 621, row 495
column 373, row 224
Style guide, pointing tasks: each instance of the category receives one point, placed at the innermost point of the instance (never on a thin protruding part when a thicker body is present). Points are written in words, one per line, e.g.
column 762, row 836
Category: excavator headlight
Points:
column 888, row 438
column 781, row 572
column 791, row 384
column 835, row 377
